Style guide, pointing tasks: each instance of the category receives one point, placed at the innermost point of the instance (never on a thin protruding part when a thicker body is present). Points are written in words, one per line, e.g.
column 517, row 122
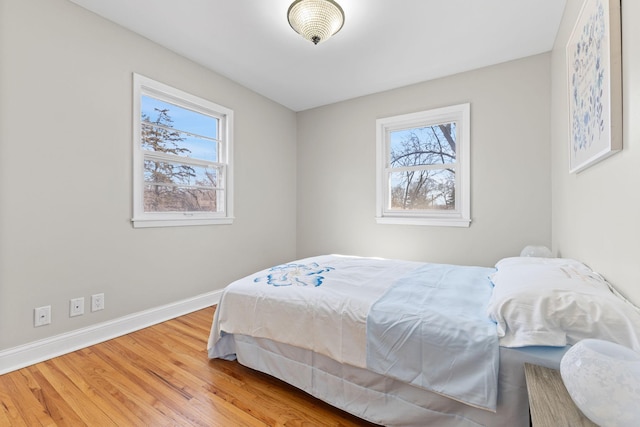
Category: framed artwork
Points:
column 594, row 68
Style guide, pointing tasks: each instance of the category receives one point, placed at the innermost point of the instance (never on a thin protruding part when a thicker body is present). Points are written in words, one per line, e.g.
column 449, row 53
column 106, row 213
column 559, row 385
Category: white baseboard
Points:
column 38, row 351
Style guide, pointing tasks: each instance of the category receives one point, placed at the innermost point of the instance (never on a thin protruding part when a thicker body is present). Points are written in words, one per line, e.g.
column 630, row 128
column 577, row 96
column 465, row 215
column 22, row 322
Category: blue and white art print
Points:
column 594, row 72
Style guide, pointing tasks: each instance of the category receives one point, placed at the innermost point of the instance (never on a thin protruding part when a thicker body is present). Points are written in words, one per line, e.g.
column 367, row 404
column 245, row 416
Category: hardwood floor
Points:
column 158, row 376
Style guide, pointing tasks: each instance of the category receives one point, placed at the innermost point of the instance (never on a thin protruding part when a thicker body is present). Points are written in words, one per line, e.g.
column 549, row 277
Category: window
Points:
column 423, row 168
column 182, row 158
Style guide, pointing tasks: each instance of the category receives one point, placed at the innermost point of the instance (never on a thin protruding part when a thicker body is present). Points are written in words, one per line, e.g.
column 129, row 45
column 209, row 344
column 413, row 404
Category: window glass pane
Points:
column 430, row 145
column 182, row 150
column 159, row 198
column 160, row 172
column 156, row 111
column 423, row 189
column 161, row 139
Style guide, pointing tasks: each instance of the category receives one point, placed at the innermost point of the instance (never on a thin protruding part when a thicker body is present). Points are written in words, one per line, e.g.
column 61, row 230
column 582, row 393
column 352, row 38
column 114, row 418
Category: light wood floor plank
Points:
column 91, row 389
column 173, row 384
column 159, row 376
column 25, row 400
column 51, row 401
column 135, row 402
column 140, row 385
column 9, row 412
column 82, row 404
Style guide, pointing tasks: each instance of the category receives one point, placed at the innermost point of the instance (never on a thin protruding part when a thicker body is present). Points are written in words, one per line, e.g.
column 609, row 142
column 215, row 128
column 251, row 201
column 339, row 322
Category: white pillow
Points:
column 555, row 302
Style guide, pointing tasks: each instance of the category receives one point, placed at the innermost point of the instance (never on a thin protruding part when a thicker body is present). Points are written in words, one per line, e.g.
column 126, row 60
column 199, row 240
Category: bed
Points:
column 405, row 343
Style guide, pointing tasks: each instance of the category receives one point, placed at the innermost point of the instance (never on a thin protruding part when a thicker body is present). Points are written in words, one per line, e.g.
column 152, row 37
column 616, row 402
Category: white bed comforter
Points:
column 323, row 303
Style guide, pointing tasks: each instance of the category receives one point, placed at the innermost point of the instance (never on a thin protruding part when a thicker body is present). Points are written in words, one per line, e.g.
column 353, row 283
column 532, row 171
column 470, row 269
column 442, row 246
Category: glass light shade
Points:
column 603, row 379
column 315, row 20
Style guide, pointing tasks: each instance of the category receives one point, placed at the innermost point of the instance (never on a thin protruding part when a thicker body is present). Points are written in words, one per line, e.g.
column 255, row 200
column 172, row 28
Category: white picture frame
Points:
column 594, row 71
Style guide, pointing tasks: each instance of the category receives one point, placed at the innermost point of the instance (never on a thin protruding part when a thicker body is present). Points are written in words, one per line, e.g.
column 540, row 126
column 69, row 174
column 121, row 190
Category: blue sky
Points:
column 187, row 120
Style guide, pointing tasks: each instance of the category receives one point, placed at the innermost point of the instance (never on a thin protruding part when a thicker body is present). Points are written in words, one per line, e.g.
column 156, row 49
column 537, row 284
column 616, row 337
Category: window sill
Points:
column 439, row 222
column 147, row 223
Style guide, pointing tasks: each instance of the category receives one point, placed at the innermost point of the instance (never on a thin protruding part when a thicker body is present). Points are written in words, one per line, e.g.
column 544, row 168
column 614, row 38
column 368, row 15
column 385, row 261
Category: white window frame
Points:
column 145, row 86
column 461, row 216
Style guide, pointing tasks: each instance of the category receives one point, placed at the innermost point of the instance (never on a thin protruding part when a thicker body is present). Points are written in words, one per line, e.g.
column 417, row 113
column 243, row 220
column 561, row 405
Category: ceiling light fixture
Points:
column 315, row 20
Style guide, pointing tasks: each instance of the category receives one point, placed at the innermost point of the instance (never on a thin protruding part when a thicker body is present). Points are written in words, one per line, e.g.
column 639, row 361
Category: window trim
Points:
column 145, row 86
column 461, row 216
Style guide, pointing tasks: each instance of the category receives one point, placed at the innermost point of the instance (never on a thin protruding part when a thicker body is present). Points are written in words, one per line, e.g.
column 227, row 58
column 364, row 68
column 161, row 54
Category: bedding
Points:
column 383, row 400
column 354, row 310
column 558, row 301
column 430, row 330
column 406, row 343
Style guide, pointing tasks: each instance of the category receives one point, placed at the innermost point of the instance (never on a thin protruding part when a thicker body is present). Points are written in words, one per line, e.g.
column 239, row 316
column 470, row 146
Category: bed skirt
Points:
column 389, row 402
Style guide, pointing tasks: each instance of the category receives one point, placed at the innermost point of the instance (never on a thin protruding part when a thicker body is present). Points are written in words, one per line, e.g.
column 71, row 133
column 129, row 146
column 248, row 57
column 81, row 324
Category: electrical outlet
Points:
column 76, row 307
column 97, row 302
column 42, row 316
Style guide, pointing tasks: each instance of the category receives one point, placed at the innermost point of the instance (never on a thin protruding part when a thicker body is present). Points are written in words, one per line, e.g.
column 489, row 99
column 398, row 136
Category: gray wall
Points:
column 66, row 171
column 510, row 175
column 596, row 212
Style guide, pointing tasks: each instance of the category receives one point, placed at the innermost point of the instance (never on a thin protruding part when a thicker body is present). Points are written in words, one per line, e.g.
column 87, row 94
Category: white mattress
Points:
column 385, row 401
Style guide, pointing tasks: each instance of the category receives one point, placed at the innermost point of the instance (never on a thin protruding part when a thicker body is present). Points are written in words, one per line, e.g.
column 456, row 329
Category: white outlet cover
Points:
column 76, row 307
column 42, row 316
column 97, row 302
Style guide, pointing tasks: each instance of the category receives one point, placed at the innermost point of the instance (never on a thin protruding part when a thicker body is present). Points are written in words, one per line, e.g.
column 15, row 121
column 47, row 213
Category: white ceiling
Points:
column 384, row 44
